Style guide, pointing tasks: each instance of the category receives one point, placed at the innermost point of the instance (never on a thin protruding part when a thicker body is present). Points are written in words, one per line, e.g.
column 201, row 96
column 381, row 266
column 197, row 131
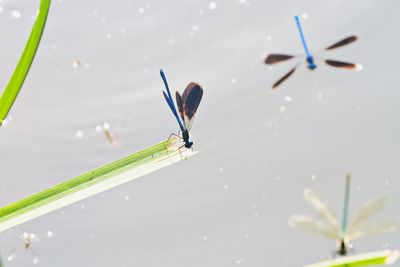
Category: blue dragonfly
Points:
column 345, row 231
column 187, row 104
column 310, row 59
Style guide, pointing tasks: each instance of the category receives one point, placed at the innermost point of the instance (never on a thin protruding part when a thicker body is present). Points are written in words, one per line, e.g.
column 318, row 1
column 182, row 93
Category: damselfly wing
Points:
column 188, row 103
column 343, row 42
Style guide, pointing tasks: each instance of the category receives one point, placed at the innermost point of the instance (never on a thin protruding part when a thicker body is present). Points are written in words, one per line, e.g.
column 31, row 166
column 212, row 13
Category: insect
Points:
column 110, row 137
column 329, row 225
column 187, row 106
column 310, row 59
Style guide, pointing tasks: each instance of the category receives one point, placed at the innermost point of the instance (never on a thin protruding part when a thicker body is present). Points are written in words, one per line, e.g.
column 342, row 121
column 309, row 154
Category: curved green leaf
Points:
column 24, row 64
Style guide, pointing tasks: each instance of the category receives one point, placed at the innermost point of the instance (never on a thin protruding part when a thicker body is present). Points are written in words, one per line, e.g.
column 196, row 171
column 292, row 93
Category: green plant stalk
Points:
column 93, row 182
column 21, row 71
column 384, row 257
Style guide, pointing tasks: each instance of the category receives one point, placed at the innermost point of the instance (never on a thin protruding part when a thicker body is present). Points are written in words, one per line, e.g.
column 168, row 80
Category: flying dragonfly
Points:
column 310, row 59
column 187, row 106
column 329, row 225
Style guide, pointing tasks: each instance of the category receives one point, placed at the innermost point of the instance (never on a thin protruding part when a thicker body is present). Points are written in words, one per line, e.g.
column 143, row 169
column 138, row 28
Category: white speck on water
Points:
column 386, row 182
column 220, row 169
column 11, row 257
column 170, row 40
column 269, row 37
column 106, row 125
column 35, row 260
column 239, row 261
column 313, row 177
column 226, row 187
column 212, row 5
column 98, row 128
column 82, row 206
column 108, row 36
column 32, row 236
column 127, row 197
column 256, row 214
column 319, row 95
column 25, row 235
column 205, row 238
column 288, row 98
column 95, row 12
column 76, row 64
column 50, row 233
column 304, row 16
column 233, row 80
column 87, row 66
column 141, row 10
column 277, row 178
column 16, row 14
column 79, row 134
column 242, row 1
column 282, row 108
column 122, row 29
column 359, row 67
column 246, row 236
column 195, row 28
column 1, row 9
column 264, row 194
column 359, row 187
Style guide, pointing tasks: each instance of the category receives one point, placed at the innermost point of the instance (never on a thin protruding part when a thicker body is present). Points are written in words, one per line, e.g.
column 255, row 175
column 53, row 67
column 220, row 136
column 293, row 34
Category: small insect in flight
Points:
column 187, row 106
column 329, row 226
column 310, row 59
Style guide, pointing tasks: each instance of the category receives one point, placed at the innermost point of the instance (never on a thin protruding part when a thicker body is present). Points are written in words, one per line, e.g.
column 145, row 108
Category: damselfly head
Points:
column 311, row 65
column 189, row 144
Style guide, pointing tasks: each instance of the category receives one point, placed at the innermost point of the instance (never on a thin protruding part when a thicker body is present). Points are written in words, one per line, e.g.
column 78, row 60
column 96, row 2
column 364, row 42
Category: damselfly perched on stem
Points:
column 187, row 106
column 310, row 58
column 346, row 232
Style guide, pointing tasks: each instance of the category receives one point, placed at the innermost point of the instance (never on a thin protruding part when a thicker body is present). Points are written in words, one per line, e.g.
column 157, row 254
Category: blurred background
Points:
column 98, row 63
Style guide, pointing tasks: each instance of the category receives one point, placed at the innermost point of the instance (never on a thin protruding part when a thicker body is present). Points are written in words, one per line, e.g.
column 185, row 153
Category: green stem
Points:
column 384, row 257
column 25, row 62
column 93, row 182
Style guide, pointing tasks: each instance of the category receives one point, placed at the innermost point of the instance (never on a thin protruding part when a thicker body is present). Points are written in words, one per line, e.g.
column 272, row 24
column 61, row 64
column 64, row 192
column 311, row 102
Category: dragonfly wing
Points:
column 343, row 65
column 276, row 58
column 308, row 224
column 343, row 42
column 322, row 208
column 191, row 99
column 380, row 228
column 284, row 78
column 367, row 212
